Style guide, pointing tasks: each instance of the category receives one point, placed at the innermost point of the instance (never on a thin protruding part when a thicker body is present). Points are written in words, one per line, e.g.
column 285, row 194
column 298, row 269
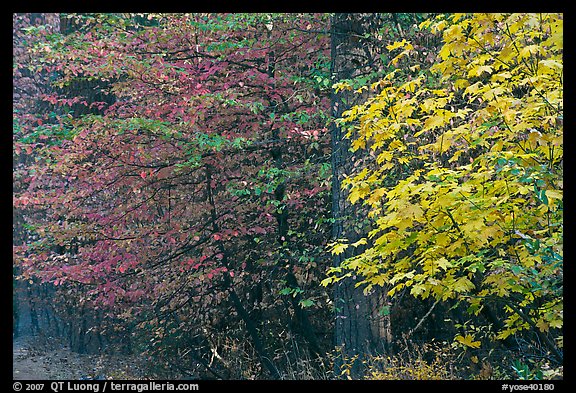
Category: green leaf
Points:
column 285, row 291
column 306, row 303
column 543, row 198
column 385, row 310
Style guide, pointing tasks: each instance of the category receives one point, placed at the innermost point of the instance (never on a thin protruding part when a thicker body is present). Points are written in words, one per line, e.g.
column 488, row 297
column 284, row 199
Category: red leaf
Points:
column 143, row 175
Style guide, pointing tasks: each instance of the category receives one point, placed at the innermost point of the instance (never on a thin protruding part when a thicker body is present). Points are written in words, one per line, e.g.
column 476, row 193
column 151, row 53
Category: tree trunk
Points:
column 359, row 328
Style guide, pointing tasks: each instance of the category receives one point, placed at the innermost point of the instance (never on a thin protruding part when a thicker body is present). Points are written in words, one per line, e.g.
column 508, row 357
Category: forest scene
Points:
column 288, row 196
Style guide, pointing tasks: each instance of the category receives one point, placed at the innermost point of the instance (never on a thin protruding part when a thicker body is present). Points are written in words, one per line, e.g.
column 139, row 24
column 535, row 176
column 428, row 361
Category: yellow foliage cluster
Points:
column 417, row 370
column 468, row 170
column 427, row 362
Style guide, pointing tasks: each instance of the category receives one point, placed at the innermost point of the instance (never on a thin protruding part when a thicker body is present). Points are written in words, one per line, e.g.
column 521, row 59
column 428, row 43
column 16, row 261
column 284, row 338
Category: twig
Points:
column 423, row 318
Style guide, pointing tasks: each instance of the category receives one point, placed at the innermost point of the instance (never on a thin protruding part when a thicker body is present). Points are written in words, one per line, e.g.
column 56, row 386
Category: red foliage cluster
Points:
column 167, row 162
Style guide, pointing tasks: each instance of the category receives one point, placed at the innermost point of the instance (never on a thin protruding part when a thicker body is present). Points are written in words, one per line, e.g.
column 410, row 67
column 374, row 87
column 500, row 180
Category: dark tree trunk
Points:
column 34, row 326
column 359, row 330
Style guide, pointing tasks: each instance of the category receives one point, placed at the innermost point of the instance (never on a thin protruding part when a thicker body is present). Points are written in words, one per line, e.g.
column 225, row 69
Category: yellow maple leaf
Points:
column 339, row 248
column 396, row 144
column 479, row 70
column 443, row 263
column 468, row 341
column 360, row 242
column 376, row 196
column 425, row 24
column 359, row 143
column 461, row 83
column 413, row 211
column 435, row 121
column 396, row 45
column 474, row 89
column 556, row 323
column 358, row 193
column 463, row 284
column 543, row 325
column 529, row 50
column 384, row 156
column 554, row 194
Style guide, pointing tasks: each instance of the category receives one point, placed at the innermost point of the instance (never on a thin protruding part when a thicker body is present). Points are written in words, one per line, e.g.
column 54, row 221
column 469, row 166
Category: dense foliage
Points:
column 465, row 188
column 177, row 200
column 172, row 183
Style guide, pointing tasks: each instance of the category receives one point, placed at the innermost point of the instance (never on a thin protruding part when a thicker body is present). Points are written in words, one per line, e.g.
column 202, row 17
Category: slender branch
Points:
column 423, row 318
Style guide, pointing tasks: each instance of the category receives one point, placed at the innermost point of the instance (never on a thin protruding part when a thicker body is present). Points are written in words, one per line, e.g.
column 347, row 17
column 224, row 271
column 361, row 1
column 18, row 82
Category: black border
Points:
column 316, row 6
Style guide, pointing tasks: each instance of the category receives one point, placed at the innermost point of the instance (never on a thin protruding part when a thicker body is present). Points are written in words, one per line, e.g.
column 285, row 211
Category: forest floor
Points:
column 36, row 360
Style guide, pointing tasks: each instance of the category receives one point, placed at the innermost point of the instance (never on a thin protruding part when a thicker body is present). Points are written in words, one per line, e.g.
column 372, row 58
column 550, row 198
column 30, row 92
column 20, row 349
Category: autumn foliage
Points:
column 466, row 177
column 188, row 184
column 172, row 179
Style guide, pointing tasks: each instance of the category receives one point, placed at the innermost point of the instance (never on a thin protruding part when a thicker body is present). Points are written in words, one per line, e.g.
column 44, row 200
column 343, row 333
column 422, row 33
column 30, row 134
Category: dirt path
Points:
column 23, row 367
column 33, row 361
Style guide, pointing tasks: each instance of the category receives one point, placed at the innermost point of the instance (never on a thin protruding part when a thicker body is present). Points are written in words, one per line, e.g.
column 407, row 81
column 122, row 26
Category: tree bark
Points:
column 358, row 326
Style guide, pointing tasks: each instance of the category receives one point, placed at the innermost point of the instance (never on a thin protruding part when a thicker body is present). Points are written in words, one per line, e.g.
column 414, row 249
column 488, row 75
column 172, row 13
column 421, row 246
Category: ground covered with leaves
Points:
column 35, row 359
